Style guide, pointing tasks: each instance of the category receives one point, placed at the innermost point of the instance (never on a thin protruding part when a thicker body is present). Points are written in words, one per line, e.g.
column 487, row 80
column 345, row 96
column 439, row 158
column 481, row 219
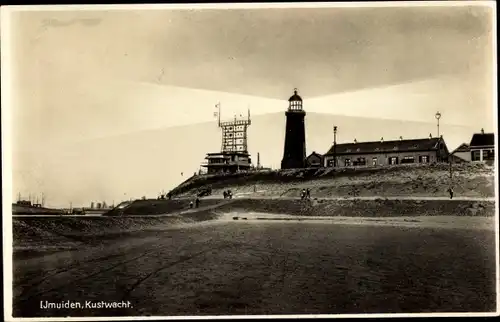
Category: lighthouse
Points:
column 294, row 154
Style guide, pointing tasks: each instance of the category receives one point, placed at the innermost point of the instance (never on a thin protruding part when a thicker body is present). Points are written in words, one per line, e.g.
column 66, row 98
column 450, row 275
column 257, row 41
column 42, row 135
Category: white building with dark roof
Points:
column 382, row 152
column 482, row 147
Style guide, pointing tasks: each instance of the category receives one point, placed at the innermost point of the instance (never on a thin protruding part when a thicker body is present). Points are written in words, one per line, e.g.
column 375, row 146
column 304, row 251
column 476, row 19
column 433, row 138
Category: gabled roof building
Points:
column 461, row 154
column 482, row 147
column 314, row 160
column 392, row 152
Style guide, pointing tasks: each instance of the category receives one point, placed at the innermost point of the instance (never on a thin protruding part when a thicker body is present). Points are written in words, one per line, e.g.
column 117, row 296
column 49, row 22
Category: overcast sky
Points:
column 79, row 75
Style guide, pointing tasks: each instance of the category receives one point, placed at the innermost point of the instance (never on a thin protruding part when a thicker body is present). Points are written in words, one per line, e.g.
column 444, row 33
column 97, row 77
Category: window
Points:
column 476, row 155
column 488, row 154
column 408, row 159
column 393, row 160
column 423, row 159
column 347, row 162
column 361, row 161
column 374, row 161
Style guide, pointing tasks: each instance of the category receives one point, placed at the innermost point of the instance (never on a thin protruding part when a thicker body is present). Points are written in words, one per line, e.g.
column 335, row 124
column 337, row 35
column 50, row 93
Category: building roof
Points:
column 315, row 153
column 482, row 139
column 295, row 97
column 386, row 146
column 220, row 154
column 464, row 147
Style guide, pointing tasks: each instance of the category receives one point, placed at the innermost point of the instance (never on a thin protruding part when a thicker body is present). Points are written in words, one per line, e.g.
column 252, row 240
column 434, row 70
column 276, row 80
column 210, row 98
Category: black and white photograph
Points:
column 250, row 160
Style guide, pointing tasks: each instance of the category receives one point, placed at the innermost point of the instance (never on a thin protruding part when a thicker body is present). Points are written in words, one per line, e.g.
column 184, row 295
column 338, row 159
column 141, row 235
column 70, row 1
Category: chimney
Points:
column 355, row 141
column 430, row 135
column 401, row 138
column 382, row 139
column 482, row 131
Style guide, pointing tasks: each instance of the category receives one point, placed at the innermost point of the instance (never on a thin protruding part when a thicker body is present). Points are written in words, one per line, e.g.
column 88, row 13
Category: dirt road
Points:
column 252, row 196
column 242, row 267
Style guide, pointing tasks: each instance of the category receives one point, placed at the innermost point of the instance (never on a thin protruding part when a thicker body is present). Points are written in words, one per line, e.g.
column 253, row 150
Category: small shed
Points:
column 314, row 160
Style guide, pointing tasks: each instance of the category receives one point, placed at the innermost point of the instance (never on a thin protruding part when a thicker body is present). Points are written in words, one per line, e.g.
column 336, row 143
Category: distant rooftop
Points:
column 482, row 139
column 464, row 147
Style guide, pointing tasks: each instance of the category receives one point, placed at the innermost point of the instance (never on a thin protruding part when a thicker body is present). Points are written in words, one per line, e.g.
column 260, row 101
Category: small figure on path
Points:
column 225, row 194
column 191, row 204
column 308, row 193
column 197, row 202
column 450, row 190
column 303, row 194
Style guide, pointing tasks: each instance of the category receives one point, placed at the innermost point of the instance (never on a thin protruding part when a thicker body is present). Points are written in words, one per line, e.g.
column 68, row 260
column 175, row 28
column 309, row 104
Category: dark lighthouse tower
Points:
column 294, row 155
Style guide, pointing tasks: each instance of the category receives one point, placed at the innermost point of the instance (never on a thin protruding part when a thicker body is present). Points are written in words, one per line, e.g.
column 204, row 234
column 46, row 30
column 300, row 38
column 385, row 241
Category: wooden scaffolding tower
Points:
column 234, row 133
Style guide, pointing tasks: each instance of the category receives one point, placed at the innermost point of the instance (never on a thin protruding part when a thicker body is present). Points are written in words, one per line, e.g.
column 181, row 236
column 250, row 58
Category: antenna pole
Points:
column 219, row 108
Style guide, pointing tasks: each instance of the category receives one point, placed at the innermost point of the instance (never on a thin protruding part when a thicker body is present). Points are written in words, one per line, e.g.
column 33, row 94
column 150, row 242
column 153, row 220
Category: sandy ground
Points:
column 319, row 265
column 268, row 197
column 468, row 180
column 441, row 222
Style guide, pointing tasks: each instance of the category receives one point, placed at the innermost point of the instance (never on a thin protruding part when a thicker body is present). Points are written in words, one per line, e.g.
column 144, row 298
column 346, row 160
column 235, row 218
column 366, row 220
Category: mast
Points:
column 217, row 106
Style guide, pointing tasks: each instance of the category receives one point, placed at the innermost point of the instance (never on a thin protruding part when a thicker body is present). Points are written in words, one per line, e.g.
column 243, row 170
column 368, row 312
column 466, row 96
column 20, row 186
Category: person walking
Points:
column 197, row 202
column 450, row 190
column 191, row 204
column 308, row 193
column 303, row 194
